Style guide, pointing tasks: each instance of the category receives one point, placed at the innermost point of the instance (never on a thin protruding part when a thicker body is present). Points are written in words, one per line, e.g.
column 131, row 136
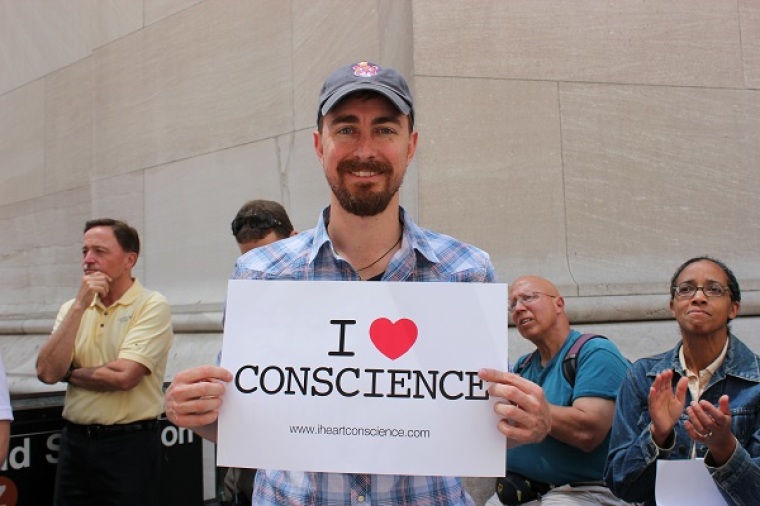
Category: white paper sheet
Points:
column 682, row 482
column 296, row 404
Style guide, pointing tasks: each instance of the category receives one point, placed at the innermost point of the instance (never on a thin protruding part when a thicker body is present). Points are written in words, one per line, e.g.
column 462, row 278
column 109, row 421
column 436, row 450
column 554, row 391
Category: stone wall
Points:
column 597, row 143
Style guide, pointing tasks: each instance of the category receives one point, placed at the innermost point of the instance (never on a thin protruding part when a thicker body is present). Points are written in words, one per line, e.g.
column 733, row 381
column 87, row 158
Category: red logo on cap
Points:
column 364, row 69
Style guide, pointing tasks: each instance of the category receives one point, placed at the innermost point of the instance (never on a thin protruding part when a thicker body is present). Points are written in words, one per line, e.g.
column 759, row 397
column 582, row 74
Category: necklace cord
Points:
column 383, row 255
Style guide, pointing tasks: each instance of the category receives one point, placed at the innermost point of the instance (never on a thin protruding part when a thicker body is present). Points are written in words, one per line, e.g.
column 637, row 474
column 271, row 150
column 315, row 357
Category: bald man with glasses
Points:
column 564, row 462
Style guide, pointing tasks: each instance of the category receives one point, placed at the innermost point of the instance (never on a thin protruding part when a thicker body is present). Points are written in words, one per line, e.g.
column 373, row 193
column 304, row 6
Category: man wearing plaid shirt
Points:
column 365, row 140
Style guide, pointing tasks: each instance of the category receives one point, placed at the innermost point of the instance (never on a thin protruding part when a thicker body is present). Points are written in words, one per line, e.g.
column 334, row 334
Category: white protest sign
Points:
column 686, row 482
column 363, row 377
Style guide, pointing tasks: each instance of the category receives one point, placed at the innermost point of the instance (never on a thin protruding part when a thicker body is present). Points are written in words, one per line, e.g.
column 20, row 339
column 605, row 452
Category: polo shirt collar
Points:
column 126, row 299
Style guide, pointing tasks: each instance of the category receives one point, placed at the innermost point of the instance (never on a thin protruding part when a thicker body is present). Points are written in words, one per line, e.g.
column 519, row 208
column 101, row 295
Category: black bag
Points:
column 516, row 489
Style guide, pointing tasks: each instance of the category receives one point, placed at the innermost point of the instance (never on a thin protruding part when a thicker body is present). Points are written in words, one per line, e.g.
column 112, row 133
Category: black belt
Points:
column 99, row 431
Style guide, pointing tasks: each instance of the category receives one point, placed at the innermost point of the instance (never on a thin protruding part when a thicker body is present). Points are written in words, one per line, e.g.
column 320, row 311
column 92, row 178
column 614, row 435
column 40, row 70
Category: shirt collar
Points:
column 698, row 380
column 740, row 362
column 710, row 368
column 413, row 236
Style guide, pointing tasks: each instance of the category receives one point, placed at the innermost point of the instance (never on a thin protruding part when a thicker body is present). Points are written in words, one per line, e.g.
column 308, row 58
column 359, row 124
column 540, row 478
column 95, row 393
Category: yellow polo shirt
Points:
column 136, row 327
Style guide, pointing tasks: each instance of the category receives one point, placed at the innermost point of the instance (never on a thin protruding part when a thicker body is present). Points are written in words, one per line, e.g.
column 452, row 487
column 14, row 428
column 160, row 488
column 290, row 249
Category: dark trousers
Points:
column 115, row 469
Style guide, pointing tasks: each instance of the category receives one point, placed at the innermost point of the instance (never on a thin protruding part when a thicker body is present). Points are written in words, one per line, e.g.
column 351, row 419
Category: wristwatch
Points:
column 67, row 376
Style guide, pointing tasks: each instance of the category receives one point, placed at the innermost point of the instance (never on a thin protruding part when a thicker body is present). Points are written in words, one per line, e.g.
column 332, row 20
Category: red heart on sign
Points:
column 393, row 339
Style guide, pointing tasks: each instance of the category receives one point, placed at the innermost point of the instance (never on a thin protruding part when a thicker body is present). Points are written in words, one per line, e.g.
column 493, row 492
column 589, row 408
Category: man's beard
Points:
column 365, row 202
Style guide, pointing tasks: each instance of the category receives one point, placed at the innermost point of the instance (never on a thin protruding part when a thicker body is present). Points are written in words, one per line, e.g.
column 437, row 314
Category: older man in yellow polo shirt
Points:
column 110, row 344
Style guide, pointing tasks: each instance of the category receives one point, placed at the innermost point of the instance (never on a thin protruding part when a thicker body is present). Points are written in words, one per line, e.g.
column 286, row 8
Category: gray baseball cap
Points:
column 365, row 76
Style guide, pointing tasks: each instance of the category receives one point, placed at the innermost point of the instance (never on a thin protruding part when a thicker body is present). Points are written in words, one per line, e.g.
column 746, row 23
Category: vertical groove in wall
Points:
column 564, row 188
column 741, row 44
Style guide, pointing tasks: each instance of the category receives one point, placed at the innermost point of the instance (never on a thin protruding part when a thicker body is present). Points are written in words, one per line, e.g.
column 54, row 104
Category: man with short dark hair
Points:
column 260, row 222
column 110, row 345
column 365, row 141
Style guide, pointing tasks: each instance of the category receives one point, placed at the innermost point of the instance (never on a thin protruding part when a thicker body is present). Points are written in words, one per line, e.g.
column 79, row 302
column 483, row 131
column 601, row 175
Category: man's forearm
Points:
column 54, row 357
column 119, row 375
column 5, row 435
column 581, row 429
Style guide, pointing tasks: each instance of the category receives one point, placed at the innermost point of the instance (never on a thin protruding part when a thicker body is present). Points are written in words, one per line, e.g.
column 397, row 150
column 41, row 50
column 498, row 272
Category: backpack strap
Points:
column 520, row 366
column 570, row 362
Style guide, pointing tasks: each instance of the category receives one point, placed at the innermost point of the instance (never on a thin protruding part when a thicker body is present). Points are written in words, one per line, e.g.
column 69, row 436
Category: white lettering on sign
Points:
column 172, row 435
column 53, row 444
column 20, row 456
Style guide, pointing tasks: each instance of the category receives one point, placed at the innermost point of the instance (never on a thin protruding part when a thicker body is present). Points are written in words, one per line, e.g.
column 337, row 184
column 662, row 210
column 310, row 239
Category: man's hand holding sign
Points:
column 525, row 413
column 194, row 398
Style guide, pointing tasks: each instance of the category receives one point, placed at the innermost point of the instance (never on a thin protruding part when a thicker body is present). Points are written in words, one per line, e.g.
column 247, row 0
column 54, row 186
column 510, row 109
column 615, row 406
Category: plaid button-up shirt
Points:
column 424, row 256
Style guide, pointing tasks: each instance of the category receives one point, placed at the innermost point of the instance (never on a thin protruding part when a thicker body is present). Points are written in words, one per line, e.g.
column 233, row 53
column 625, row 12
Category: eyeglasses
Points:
column 255, row 221
column 527, row 298
column 687, row 290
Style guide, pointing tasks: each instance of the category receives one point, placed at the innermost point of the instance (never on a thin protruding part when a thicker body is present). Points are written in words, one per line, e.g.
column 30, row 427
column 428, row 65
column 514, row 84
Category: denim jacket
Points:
column 632, row 460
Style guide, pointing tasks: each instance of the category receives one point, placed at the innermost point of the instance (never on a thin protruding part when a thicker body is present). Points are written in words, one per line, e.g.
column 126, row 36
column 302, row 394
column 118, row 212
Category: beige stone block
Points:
column 657, row 175
column 156, row 10
column 307, row 189
column 22, row 158
column 112, row 19
column 122, row 198
column 208, row 78
column 490, row 171
column 189, row 205
column 68, row 127
column 396, row 37
column 37, row 37
column 644, row 339
column 676, row 42
column 41, row 250
column 749, row 14
column 382, row 34
column 318, row 48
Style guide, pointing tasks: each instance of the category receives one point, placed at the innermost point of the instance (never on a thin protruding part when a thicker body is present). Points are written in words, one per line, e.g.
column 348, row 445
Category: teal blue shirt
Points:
column 600, row 372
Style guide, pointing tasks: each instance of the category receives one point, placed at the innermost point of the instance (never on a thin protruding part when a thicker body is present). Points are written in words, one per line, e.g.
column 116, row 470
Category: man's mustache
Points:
column 348, row 166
